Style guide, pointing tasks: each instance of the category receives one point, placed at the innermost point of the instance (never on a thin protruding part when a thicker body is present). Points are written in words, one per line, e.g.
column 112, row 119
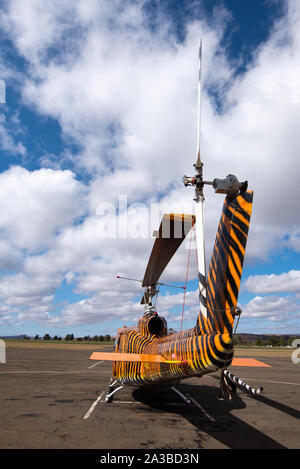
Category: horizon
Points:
column 41, row 337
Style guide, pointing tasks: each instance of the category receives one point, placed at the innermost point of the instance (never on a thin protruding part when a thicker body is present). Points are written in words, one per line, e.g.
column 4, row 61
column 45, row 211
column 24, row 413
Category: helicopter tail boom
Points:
column 226, row 265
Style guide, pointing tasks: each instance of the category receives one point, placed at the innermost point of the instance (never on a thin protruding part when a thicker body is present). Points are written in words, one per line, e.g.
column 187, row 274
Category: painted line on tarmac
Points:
column 98, row 363
column 269, row 381
column 33, row 372
column 124, row 402
column 166, row 404
column 93, row 406
column 262, row 380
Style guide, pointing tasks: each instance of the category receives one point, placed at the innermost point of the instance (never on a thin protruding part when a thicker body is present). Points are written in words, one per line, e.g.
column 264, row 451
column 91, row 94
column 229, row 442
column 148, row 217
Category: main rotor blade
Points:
column 173, row 229
column 198, row 164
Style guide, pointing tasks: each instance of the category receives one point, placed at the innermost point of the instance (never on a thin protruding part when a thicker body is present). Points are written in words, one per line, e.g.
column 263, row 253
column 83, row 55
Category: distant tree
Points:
column 79, row 339
column 86, row 337
column 37, row 337
column 69, row 337
column 96, row 338
column 101, row 338
column 259, row 342
column 291, row 340
column 107, row 338
column 238, row 340
column 284, row 341
column 47, row 337
column 274, row 341
column 55, row 337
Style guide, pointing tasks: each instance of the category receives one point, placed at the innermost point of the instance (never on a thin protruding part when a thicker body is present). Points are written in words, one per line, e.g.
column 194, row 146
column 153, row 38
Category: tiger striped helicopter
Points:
column 150, row 355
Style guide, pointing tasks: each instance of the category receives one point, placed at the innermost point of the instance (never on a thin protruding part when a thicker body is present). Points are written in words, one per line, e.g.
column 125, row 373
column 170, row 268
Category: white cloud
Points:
column 285, row 282
column 293, row 240
column 10, row 257
column 8, row 136
column 122, row 124
column 35, row 28
column 127, row 97
column 273, row 308
column 35, row 205
column 101, row 307
column 21, row 290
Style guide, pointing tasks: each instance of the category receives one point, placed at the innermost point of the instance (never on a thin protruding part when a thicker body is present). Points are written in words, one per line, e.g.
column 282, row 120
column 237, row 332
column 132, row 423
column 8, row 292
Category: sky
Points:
column 98, row 125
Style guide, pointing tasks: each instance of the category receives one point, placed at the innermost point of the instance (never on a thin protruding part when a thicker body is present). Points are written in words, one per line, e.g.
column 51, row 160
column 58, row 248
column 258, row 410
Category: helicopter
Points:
column 149, row 354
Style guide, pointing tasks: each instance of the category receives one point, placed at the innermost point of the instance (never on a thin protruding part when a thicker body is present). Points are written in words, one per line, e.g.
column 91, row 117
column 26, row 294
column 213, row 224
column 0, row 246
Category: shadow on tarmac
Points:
column 276, row 405
column 279, row 406
column 227, row 428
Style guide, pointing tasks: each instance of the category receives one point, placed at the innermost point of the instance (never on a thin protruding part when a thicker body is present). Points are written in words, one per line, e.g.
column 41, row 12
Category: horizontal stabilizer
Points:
column 172, row 231
column 130, row 357
column 248, row 362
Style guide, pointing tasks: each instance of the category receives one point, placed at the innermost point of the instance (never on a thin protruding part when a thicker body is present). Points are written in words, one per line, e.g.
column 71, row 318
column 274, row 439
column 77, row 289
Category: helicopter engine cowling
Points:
column 153, row 324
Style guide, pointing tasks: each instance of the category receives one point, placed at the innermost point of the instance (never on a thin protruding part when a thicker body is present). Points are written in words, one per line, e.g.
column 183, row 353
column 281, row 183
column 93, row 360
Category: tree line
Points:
column 272, row 341
column 69, row 337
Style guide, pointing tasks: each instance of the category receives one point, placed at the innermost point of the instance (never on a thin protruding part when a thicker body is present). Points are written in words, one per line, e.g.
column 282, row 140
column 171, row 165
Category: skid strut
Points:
column 191, row 401
column 241, row 383
column 227, row 388
column 181, row 395
column 112, row 390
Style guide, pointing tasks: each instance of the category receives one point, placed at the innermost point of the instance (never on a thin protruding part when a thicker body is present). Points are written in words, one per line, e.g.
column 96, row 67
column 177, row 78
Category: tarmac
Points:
column 53, row 398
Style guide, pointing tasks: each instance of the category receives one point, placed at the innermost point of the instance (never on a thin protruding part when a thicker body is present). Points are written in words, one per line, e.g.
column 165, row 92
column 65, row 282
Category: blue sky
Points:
column 102, row 105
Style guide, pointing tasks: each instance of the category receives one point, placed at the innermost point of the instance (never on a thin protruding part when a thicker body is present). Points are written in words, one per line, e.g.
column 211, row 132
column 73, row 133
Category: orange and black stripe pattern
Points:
column 225, row 270
column 198, row 354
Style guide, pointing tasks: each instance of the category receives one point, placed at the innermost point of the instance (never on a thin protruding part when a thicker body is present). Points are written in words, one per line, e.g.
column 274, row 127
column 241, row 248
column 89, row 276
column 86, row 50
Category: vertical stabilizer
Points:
column 226, row 265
